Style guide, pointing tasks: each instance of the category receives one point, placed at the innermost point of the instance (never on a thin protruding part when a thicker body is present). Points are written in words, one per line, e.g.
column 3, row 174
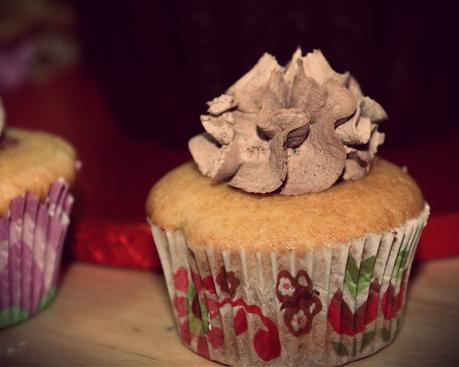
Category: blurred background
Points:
column 126, row 81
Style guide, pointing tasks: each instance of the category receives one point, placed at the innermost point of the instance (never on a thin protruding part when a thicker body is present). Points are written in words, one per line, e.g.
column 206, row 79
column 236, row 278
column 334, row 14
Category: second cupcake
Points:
column 36, row 172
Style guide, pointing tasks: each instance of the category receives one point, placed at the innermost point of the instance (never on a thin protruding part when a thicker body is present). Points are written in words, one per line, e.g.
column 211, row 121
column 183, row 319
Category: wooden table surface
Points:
column 117, row 317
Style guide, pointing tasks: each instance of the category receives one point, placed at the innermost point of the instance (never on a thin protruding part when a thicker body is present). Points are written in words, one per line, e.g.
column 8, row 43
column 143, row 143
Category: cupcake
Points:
column 36, row 170
column 287, row 241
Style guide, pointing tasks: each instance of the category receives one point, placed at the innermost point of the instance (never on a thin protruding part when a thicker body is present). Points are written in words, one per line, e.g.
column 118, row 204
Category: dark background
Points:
column 161, row 60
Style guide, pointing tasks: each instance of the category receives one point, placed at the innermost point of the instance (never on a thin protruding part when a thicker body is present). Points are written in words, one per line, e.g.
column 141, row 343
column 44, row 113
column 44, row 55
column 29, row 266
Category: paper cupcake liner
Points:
column 31, row 241
column 325, row 306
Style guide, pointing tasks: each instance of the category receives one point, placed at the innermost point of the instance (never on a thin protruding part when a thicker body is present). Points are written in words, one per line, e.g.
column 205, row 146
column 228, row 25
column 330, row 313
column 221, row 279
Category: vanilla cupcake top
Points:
column 294, row 130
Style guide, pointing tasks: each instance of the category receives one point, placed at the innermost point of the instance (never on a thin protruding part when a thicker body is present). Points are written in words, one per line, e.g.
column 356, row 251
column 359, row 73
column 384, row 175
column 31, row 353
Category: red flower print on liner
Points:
column 197, row 282
column 266, row 341
column 212, row 307
column 202, row 303
column 193, row 312
column 203, row 348
column 391, row 304
column 341, row 318
column 180, row 305
column 209, row 285
column 299, row 300
column 185, row 331
column 181, row 279
column 240, row 322
column 196, row 307
column 215, row 337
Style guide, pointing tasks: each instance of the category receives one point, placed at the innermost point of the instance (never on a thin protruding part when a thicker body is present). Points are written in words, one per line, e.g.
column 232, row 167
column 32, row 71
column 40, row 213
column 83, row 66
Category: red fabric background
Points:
column 119, row 168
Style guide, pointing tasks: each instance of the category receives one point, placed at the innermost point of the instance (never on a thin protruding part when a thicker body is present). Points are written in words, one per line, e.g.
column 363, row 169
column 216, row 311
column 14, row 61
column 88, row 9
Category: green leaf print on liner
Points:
column 12, row 315
column 198, row 318
column 46, row 300
column 351, row 277
column 400, row 263
column 196, row 325
column 340, row 348
column 367, row 339
column 397, row 326
column 366, row 270
column 357, row 279
column 385, row 334
column 354, row 347
column 191, row 294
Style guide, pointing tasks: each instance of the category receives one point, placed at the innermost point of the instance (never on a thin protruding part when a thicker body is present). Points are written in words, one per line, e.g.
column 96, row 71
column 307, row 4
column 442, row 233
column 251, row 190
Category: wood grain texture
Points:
column 119, row 317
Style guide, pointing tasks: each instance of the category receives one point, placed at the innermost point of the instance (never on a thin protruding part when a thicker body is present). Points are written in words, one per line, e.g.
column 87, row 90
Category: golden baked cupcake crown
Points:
column 295, row 129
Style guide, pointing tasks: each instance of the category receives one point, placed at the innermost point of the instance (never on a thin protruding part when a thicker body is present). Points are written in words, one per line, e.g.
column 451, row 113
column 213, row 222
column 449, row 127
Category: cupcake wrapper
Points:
column 31, row 241
column 325, row 306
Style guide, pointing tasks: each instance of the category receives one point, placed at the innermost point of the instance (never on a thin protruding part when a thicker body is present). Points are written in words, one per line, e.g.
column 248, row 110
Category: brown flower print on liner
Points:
column 299, row 300
column 227, row 281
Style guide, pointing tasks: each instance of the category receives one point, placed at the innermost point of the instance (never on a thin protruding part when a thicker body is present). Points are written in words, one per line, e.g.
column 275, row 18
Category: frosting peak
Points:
column 296, row 129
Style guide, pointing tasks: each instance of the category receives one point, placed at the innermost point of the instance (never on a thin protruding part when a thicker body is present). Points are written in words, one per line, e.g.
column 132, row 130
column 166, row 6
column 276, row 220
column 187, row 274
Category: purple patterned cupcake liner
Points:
column 31, row 241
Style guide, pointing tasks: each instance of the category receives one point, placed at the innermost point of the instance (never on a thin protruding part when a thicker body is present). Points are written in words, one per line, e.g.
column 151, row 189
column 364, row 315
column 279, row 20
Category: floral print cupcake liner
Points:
column 31, row 240
column 325, row 306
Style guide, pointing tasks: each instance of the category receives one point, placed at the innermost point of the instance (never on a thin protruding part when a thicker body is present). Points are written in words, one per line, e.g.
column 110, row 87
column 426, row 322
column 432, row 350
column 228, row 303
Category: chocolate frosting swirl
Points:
column 297, row 129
